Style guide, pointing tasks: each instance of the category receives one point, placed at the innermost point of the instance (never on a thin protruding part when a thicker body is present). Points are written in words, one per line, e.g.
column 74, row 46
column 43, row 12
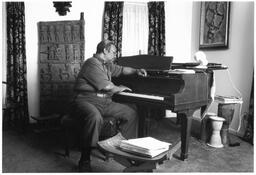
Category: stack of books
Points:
column 146, row 146
column 227, row 99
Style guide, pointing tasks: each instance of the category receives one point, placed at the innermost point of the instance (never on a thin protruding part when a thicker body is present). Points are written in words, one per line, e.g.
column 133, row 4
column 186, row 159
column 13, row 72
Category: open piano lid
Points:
column 148, row 62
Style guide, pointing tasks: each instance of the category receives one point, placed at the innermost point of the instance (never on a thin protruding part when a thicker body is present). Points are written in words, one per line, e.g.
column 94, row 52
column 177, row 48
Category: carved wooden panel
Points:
column 61, row 54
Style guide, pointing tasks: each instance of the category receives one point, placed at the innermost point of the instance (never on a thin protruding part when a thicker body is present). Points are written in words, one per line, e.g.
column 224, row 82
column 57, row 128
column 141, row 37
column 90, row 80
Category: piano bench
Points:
column 71, row 131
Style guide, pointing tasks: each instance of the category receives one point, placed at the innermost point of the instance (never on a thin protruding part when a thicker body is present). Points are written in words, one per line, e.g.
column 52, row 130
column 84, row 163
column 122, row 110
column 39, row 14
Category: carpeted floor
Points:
column 34, row 153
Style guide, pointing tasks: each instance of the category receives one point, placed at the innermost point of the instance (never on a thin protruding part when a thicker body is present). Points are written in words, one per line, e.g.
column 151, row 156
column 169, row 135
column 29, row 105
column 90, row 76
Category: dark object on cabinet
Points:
column 62, row 7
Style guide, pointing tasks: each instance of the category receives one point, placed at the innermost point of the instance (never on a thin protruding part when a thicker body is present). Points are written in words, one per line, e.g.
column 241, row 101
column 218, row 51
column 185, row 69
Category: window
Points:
column 135, row 28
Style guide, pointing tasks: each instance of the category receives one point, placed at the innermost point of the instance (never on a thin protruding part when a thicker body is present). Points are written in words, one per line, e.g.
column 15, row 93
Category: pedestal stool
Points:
column 215, row 140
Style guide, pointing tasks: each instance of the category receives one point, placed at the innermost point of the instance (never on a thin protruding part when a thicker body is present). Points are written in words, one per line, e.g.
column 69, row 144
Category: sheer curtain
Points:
column 135, row 28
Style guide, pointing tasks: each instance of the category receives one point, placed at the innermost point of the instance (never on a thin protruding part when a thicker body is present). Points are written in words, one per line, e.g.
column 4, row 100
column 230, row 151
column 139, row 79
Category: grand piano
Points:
column 181, row 93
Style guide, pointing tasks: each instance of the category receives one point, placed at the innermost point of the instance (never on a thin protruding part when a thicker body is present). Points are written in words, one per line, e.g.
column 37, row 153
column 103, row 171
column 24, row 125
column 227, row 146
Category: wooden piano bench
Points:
column 132, row 162
column 71, row 129
column 47, row 123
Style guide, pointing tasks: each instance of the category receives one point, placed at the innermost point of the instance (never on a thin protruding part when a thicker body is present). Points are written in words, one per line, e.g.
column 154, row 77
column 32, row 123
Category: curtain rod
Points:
column 139, row 3
column 133, row 2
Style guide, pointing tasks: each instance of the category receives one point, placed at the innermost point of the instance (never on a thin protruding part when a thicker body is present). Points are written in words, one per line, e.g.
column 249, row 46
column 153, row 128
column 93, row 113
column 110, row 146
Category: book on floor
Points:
column 146, row 146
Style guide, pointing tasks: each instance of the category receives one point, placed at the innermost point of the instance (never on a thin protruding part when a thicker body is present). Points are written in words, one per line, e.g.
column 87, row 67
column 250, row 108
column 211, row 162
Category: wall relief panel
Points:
column 61, row 54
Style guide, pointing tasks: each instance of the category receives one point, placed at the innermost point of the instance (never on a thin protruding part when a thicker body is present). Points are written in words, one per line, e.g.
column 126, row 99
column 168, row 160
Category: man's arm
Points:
column 125, row 71
column 129, row 71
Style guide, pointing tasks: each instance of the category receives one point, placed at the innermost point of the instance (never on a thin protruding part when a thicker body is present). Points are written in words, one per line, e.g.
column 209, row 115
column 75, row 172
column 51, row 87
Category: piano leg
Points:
column 186, row 120
column 144, row 115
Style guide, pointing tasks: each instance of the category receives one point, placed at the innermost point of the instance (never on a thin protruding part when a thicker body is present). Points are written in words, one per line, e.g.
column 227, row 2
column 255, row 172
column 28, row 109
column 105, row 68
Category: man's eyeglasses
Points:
column 113, row 51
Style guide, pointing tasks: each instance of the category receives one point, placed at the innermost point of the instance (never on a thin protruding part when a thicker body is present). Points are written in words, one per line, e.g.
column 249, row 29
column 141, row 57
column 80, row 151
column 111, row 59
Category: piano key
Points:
column 153, row 97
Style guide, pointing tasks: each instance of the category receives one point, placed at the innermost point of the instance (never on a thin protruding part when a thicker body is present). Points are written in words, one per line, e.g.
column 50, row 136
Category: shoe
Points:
column 84, row 166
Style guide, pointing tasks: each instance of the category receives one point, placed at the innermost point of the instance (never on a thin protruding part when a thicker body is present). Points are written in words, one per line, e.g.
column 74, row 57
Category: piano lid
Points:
column 148, row 62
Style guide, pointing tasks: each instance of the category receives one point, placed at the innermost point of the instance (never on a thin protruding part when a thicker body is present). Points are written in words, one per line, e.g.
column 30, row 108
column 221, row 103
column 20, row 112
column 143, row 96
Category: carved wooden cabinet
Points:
column 61, row 55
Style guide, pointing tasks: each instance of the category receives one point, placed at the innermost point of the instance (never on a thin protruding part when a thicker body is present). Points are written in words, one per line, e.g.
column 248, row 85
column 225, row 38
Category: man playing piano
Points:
column 92, row 101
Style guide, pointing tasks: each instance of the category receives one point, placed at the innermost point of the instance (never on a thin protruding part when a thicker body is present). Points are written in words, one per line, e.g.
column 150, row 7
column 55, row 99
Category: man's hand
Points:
column 111, row 88
column 141, row 72
column 130, row 71
column 123, row 88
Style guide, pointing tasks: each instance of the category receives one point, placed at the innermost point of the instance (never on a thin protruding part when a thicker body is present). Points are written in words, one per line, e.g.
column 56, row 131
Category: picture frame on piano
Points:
column 214, row 25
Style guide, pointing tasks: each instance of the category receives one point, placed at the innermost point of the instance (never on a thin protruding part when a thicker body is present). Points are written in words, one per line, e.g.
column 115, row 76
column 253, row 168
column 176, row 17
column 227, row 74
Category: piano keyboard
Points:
column 152, row 97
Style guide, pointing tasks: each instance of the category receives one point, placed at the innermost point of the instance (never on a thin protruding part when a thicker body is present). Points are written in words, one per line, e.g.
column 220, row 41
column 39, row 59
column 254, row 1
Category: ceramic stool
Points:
column 215, row 140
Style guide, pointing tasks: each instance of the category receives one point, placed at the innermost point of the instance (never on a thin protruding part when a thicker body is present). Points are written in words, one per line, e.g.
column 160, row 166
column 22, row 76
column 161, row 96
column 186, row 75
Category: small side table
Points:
column 206, row 129
column 226, row 110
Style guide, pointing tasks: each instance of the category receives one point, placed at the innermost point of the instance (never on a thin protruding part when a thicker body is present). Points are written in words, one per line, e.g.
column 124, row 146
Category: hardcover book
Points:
column 146, row 146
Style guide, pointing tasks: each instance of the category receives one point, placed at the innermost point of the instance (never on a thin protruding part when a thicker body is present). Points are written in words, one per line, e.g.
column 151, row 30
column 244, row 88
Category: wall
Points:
column 3, row 47
column 239, row 57
column 178, row 20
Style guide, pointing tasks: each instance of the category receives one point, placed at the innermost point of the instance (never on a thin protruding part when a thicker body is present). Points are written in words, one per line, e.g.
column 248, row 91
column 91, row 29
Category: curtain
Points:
column 135, row 28
column 112, row 24
column 156, row 42
column 17, row 103
column 248, row 136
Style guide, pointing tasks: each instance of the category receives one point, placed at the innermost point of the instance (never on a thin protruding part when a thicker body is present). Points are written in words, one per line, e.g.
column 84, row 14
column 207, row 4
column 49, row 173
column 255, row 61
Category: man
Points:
column 93, row 99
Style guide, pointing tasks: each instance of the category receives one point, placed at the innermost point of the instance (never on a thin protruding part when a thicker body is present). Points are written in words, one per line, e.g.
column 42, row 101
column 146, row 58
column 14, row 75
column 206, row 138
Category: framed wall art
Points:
column 214, row 24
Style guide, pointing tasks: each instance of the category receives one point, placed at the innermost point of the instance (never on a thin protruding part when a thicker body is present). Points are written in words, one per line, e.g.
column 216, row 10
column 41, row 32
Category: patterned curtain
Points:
column 156, row 42
column 113, row 24
column 17, row 103
column 156, row 39
column 248, row 136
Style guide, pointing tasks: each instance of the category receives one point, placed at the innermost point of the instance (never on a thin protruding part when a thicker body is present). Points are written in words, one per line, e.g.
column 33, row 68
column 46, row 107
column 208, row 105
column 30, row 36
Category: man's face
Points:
column 110, row 55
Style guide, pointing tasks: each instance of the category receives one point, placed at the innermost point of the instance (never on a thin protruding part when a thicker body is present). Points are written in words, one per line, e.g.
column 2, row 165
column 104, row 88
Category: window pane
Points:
column 135, row 28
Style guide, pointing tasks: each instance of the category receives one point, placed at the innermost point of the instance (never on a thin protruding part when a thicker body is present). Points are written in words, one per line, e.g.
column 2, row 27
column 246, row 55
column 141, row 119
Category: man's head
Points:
column 107, row 49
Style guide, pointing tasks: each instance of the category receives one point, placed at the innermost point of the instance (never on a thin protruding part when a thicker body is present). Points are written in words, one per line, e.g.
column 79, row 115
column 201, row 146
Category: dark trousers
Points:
column 90, row 111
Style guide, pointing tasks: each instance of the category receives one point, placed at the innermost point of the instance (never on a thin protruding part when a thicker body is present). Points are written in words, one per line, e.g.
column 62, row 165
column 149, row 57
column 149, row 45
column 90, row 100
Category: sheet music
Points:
column 147, row 146
column 146, row 143
column 113, row 142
